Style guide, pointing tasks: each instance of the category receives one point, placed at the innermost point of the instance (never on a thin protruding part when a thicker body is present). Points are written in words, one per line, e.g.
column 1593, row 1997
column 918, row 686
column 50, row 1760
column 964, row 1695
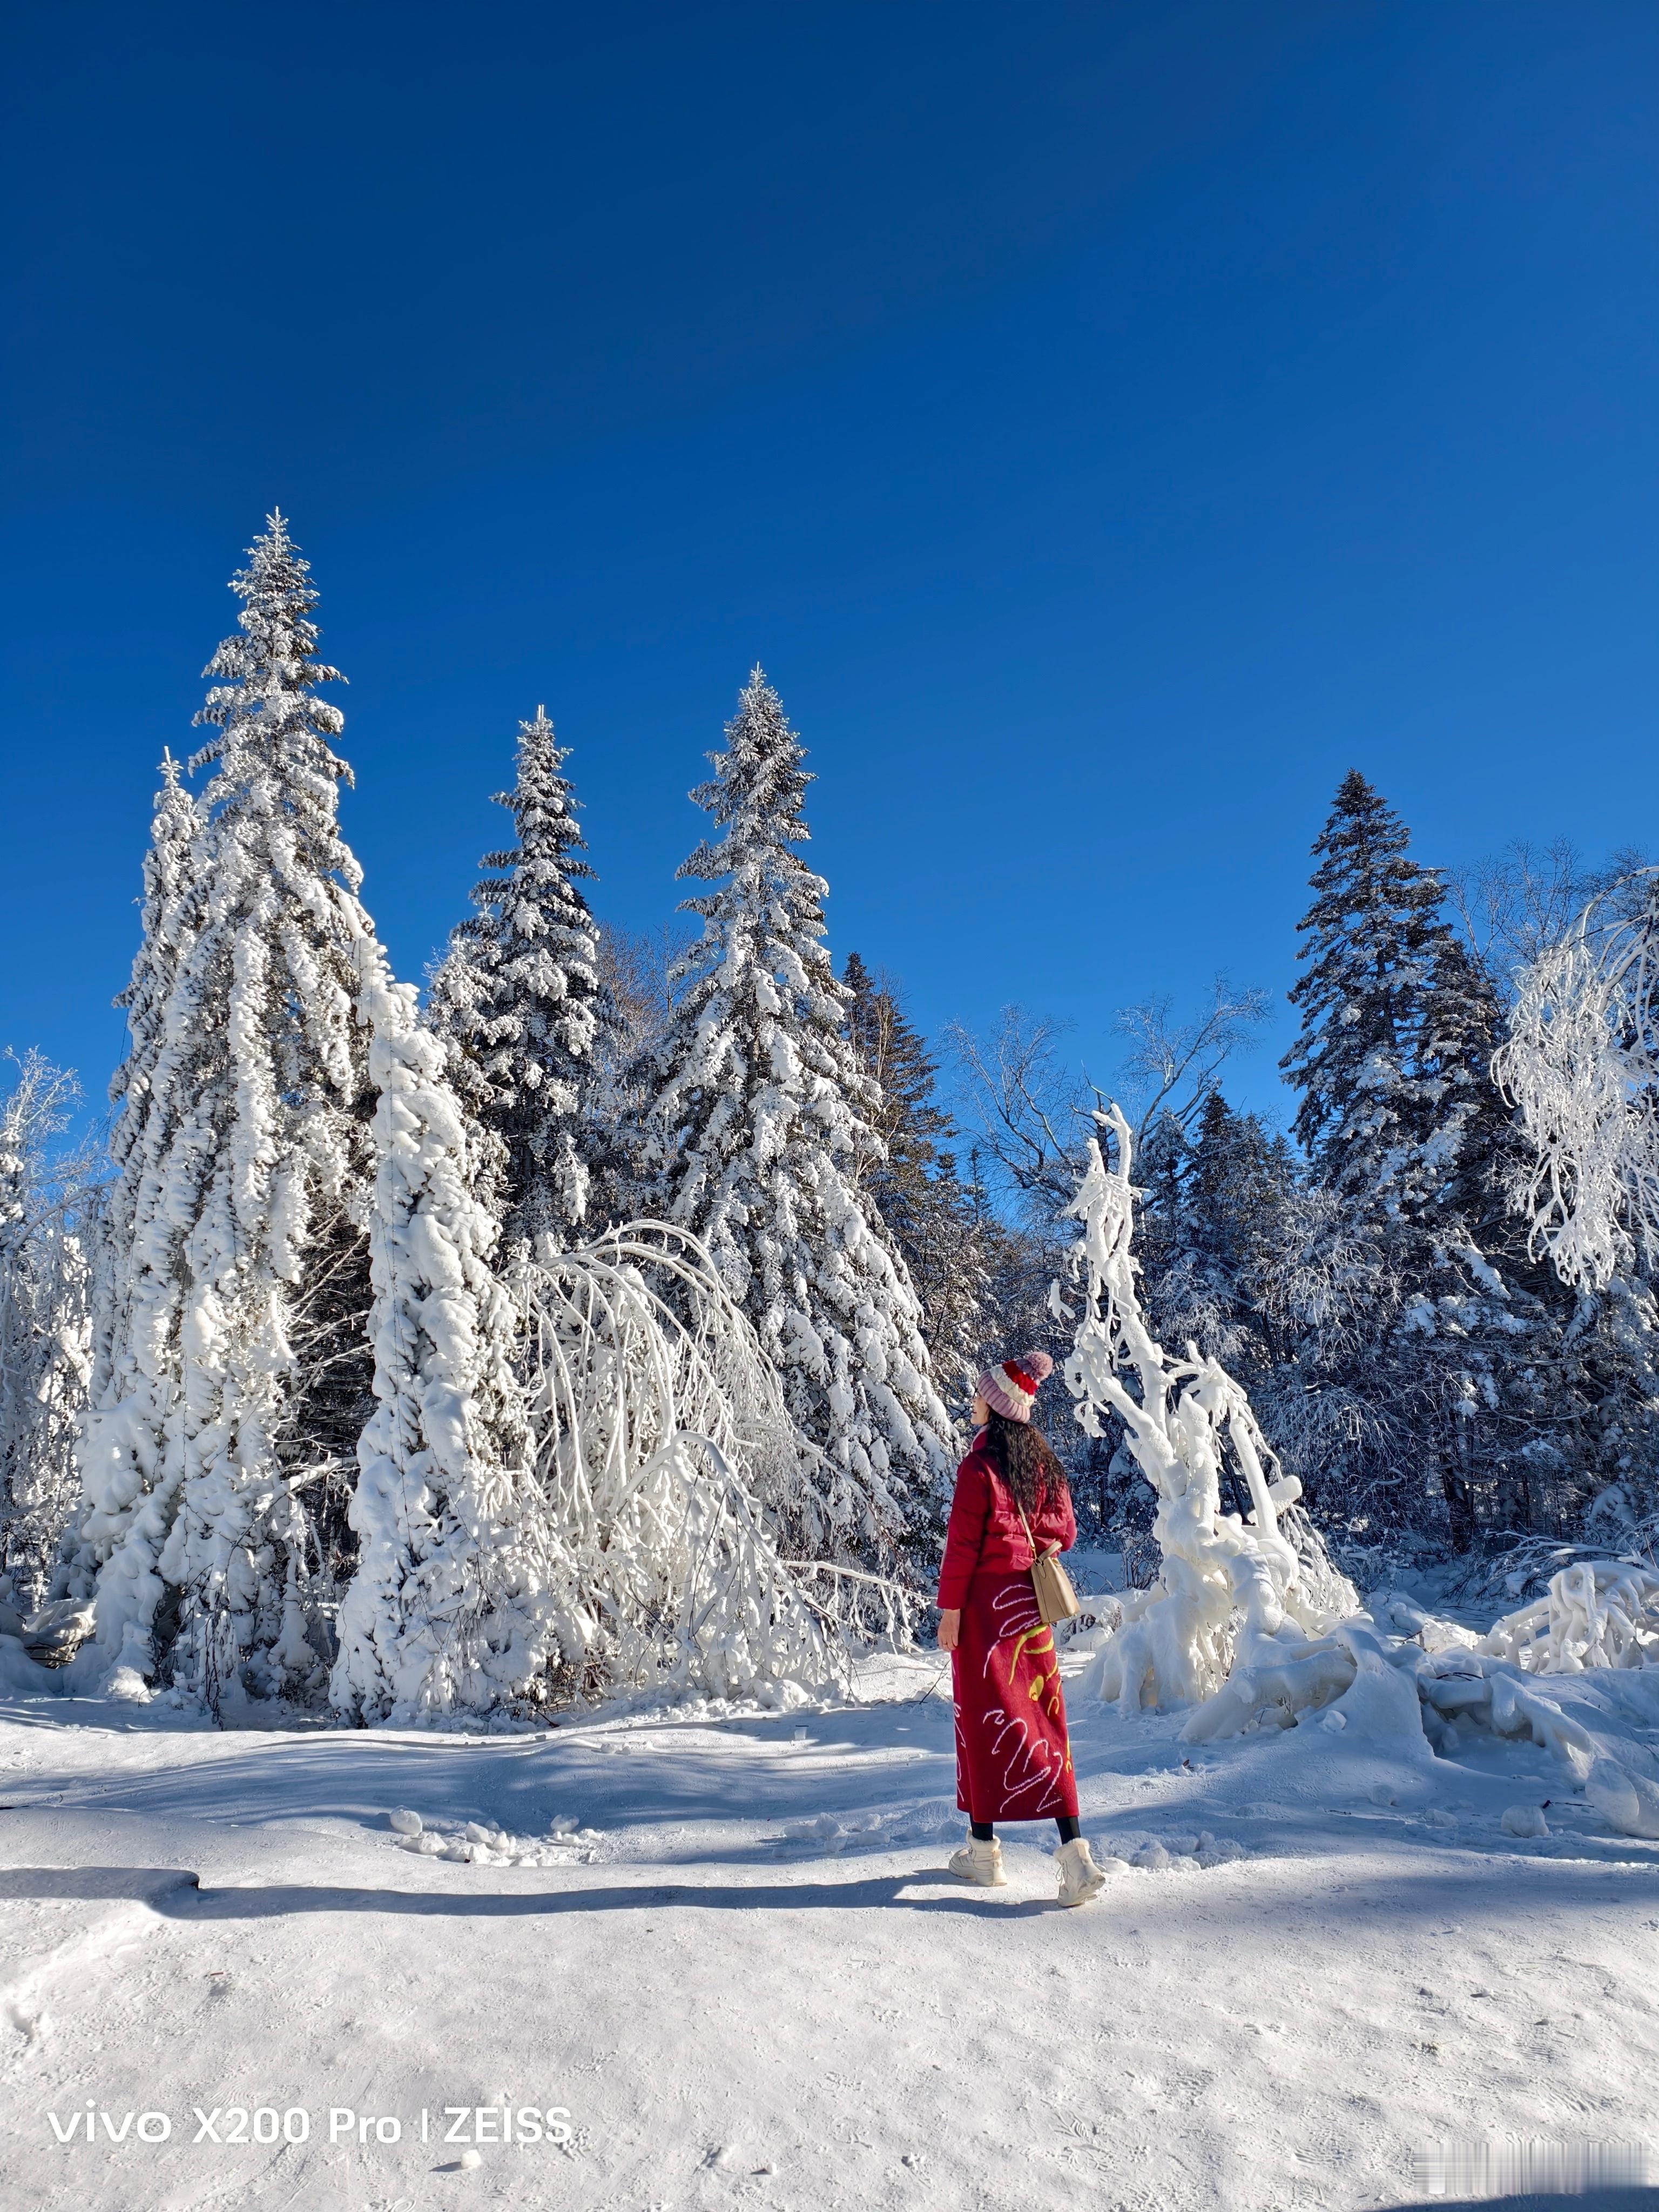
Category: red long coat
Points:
column 984, row 1535
column 1014, row 1753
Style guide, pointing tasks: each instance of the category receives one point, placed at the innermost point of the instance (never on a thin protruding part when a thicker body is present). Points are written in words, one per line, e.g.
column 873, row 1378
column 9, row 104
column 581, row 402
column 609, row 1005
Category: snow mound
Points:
column 1524, row 1820
column 1177, row 1852
column 486, row 1843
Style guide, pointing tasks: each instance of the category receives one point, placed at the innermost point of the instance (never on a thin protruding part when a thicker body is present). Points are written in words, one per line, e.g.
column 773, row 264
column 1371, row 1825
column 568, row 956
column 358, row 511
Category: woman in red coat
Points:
column 1013, row 1755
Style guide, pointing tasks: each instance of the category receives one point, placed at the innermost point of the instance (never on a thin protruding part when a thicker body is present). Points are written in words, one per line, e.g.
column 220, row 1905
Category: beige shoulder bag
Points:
column 1055, row 1598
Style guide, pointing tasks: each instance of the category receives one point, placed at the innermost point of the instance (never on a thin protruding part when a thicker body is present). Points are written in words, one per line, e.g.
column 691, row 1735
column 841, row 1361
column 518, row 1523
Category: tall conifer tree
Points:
column 135, row 1347
column 45, row 1204
column 1373, row 932
column 458, row 1596
column 1403, row 1127
column 219, row 1463
column 760, row 1119
column 913, row 1178
column 518, row 999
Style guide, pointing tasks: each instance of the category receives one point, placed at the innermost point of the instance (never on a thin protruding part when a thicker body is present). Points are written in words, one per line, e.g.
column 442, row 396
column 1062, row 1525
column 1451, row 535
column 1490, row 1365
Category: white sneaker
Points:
column 981, row 1863
column 1080, row 1878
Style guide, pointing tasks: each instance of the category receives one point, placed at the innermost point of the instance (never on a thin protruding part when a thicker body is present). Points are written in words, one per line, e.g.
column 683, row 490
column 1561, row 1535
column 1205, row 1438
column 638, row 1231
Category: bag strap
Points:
column 1025, row 1525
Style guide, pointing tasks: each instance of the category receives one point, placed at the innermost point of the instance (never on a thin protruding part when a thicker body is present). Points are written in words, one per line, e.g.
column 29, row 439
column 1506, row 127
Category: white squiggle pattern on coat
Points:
column 1026, row 1764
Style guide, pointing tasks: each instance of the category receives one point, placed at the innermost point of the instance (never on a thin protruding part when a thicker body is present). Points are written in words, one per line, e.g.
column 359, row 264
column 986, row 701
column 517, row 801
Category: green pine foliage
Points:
column 1433, row 1374
column 520, row 1002
column 913, row 1178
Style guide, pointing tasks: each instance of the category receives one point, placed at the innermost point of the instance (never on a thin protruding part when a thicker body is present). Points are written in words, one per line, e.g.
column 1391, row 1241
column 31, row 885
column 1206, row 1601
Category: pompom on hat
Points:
column 1011, row 1388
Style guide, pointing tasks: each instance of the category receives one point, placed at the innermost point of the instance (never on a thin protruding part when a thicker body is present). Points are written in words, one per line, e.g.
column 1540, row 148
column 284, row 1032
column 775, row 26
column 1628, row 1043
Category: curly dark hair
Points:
column 1025, row 1460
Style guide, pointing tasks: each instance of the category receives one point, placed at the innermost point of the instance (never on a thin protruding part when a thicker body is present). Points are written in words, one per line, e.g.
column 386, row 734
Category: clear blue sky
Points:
column 1106, row 423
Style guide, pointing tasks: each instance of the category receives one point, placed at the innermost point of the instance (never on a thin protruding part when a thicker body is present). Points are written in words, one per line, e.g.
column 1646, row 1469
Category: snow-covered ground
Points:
column 742, row 1972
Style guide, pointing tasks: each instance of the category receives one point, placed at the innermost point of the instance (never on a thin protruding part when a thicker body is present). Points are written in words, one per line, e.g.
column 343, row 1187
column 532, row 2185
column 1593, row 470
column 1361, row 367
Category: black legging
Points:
column 984, row 1832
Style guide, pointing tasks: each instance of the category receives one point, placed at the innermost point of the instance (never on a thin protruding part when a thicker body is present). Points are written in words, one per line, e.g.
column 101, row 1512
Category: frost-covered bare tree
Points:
column 1027, row 1108
column 1581, row 1061
column 47, row 1209
column 1528, row 899
column 1172, row 1068
column 1031, row 1110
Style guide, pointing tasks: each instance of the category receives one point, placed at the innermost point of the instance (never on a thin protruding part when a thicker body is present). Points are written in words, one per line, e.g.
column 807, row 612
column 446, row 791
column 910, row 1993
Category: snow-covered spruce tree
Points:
column 519, row 1001
column 460, row 1591
column 1398, row 1117
column 913, row 1180
column 219, row 1460
column 1372, row 932
column 134, row 1340
column 760, row 1118
column 44, row 1329
column 637, row 989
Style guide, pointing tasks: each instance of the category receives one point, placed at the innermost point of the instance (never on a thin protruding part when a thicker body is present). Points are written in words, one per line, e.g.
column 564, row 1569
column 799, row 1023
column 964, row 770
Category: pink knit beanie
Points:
column 1011, row 1388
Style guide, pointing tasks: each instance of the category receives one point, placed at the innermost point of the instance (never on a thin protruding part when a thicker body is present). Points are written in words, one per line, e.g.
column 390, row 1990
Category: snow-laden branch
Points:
column 680, row 1487
column 632, row 1522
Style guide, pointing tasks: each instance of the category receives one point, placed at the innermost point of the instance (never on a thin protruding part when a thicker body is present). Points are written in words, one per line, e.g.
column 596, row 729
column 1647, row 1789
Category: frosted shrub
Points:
column 684, row 1494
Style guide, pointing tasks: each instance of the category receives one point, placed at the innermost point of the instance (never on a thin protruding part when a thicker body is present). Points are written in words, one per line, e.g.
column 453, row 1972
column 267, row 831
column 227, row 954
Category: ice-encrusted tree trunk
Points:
column 46, row 1201
column 518, row 999
column 461, row 1588
column 1237, row 1602
column 760, row 1117
column 218, row 1461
